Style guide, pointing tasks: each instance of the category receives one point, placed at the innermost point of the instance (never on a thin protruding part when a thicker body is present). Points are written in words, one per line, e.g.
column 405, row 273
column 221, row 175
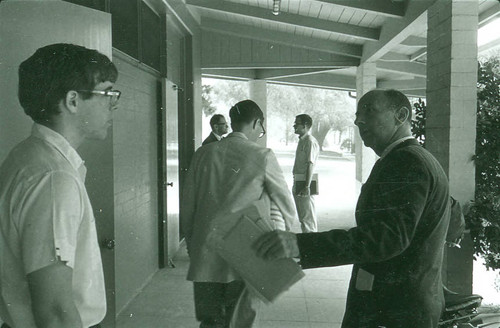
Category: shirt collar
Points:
column 218, row 137
column 59, row 142
column 394, row 144
column 237, row 134
column 305, row 136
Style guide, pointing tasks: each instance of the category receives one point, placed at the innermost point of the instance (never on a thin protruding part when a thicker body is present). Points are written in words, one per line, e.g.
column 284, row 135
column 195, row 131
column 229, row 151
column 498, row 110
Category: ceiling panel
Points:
column 346, row 15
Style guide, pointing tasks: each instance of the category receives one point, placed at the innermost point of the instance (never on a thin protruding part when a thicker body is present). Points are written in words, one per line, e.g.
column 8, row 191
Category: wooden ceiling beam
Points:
column 389, row 8
column 323, row 80
column 345, row 29
column 395, row 31
column 411, row 84
column 411, row 68
column 284, row 38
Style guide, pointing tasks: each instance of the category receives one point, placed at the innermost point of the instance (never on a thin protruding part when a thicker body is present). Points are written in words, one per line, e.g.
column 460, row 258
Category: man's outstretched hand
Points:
column 277, row 245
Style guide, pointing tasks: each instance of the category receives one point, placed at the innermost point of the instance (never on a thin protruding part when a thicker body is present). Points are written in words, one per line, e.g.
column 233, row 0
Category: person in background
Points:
column 402, row 216
column 303, row 169
column 224, row 178
column 219, row 128
column 52, row 274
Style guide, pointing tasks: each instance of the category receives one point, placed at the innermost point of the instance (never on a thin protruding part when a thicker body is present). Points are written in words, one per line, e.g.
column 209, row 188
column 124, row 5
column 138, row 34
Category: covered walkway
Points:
column 317, row 301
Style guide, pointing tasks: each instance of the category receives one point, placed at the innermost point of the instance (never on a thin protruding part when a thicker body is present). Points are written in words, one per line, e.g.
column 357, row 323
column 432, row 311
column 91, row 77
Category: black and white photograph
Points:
column 250, row 163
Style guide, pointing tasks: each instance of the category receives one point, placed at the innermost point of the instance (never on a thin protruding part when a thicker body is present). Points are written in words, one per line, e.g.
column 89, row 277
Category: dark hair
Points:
column 396, row 100
column 215, row 119
column 46, row 77
column 305, row 119
column 244, row 112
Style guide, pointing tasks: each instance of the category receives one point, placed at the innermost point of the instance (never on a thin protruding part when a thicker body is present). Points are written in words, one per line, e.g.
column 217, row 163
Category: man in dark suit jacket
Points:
column 402, row 218
column 219, row 127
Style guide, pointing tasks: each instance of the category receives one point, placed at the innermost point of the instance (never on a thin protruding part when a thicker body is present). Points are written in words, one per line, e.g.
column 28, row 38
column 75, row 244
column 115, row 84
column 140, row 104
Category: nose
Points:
column 358, row 120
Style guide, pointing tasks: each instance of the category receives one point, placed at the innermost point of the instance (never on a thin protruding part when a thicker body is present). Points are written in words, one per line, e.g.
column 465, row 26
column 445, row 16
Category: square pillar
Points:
column 258, row 93
column 451, row 112
column 366, row 80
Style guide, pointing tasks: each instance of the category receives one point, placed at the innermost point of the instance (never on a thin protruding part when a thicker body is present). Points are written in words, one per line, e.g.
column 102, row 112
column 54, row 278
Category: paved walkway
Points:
column 317, row 301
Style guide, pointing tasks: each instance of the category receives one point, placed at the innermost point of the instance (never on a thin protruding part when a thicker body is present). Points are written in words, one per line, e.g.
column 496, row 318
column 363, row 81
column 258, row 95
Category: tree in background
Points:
column 221, row 95
column 483, row 218
column 206, row 100
column 329, row 109
column 418, row 121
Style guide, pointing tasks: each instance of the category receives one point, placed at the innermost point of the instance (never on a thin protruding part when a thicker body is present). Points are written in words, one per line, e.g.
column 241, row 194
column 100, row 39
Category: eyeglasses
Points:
column 262, row 127
column 114, row 94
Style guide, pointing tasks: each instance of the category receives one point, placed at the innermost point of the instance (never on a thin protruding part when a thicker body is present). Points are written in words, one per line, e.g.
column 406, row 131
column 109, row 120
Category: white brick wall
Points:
column 135, row 177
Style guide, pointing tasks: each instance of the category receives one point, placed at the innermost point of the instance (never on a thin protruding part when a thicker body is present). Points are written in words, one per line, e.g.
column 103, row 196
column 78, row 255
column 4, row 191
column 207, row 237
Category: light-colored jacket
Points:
column 225, row 177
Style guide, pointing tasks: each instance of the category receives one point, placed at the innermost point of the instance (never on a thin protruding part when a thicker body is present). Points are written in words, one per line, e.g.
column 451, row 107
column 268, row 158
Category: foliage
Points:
column 483, row 218
column 206, row 100
column 329, row 109
column 221, row 95
column 418, row 122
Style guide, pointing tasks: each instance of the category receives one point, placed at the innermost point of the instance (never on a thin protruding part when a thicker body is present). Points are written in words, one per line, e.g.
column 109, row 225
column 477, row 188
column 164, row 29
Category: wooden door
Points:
column 54, row 22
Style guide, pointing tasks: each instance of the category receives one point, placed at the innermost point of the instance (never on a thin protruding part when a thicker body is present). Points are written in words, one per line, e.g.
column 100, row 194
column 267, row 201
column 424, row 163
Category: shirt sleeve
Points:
column 50, row 217
column 311, row 150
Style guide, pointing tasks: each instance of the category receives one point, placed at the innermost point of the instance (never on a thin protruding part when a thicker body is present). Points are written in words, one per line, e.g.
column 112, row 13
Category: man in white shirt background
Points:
column 53, row 274
column 305, row 160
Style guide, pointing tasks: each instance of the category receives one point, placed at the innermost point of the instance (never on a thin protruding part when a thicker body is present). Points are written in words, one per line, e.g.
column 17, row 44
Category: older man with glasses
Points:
column 219, row 128
column 225, row 177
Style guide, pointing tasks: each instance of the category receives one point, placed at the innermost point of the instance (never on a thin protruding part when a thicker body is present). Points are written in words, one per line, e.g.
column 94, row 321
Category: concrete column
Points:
column 366, row 80
column 258, row 93
column 451, row 111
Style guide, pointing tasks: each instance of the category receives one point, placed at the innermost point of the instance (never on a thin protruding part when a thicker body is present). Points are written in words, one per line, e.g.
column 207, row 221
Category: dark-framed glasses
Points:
column 114, row 94
column 262, row 127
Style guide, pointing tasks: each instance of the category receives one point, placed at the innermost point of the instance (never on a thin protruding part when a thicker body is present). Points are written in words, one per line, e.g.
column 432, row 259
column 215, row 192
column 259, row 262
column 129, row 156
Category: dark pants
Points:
column 215, row 302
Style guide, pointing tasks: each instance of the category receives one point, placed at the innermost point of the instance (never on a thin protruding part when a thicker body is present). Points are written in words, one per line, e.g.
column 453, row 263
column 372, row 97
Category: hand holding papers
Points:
column 268, row 278
column 277, row 245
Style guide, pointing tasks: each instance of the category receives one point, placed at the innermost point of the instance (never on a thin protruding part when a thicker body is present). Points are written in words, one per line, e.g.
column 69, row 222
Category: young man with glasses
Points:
column 305, row 159
column 219, row 128
column 53, row 274
column 224, row 178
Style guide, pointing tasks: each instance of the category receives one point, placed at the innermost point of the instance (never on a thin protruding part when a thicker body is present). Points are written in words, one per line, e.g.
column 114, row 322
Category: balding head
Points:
column 393, row 100
column 383, row 116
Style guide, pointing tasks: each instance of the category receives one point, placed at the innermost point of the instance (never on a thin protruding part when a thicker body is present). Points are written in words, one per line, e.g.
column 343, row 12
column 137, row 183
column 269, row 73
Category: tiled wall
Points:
column 135, row 178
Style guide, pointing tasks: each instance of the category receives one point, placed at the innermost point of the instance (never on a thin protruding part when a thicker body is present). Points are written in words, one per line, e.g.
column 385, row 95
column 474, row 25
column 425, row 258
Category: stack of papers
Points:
column 267, row 278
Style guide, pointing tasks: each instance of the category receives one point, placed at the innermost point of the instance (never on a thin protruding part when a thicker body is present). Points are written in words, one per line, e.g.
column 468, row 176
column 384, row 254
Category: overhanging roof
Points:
column 315, row 42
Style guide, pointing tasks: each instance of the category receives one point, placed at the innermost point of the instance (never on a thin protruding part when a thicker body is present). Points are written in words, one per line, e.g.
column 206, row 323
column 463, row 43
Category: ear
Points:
column 402, row 114
column 71, row 101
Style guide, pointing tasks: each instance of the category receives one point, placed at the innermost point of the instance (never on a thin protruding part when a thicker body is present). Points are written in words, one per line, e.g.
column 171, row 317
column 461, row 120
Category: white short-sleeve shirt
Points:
column 307, row 153
column 45, row 216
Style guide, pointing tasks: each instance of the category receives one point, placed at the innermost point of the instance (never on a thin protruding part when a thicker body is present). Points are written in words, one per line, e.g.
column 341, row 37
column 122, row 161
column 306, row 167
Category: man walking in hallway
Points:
column 303, row 169
column 52, row 274
column 402, row 219
column 223, row 178
column 219, row 128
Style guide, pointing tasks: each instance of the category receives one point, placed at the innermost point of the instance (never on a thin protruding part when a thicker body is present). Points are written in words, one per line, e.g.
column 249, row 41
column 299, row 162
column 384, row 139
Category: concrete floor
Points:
column 317, row 301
